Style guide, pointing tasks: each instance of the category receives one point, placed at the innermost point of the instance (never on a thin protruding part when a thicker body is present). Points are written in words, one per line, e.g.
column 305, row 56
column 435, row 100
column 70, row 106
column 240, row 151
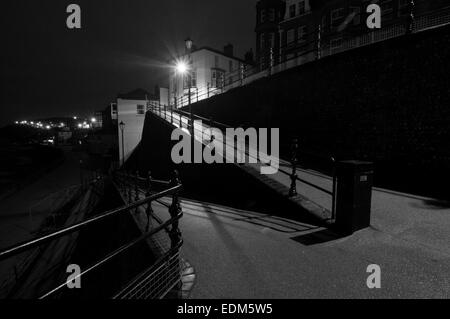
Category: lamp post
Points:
column 188, row 42
column 122, row 127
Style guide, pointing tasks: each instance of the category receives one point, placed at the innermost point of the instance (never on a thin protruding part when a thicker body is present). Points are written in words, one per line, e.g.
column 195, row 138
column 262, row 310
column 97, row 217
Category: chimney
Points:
column 228, row 50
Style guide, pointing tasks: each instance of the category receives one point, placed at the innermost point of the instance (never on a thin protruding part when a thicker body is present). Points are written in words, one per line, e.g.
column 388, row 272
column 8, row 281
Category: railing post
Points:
column 211, row 124
column 136, row 186
column 270, row 61
column 333, row 198
column 319, row 43
column 241, row 73
column 207, row 89
column 149, row 210
column 129, row 185
column 294, row 160
column 171, row 115
column 411, row 18
column 174, row 210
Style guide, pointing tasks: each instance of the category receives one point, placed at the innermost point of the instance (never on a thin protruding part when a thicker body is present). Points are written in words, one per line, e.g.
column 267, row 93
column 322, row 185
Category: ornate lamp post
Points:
column 122, row 127
column 188, row 42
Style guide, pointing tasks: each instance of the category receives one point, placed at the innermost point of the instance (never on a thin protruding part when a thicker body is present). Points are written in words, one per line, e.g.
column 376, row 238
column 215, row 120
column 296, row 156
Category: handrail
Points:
column 249, row 155
column 29, row 244
column 270, row 59
column 121, row 250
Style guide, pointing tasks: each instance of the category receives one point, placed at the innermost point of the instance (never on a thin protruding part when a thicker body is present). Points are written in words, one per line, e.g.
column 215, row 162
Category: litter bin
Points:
column 353, row 196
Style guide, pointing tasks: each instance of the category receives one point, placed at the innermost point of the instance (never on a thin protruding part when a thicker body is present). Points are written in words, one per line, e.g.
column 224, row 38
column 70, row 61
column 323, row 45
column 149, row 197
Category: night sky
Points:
column 49, row 70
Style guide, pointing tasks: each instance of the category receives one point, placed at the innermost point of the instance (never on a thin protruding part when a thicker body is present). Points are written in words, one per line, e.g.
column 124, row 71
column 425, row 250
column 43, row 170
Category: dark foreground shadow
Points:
column 318, row 237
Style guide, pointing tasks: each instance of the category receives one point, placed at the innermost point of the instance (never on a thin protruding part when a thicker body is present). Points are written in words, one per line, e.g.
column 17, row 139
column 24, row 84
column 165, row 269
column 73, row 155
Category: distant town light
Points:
column 74, row 117
column 16, row 122
column 48, row 127
column 93, row 120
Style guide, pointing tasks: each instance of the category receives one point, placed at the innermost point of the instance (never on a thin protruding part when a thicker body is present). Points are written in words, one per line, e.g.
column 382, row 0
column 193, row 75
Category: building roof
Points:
column 138, row 94
column 217, row 52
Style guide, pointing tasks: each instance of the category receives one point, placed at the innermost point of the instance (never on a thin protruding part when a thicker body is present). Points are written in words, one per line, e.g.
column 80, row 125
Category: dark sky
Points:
column 50, row 70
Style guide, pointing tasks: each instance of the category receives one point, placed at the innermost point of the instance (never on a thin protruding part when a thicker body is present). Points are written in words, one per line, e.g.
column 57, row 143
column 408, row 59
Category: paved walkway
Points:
column 244, row 254
column 234, row 257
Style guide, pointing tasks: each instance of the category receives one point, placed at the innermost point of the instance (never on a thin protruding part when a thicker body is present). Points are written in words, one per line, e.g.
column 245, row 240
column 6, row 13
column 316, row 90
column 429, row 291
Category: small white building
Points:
column 210, row 71
column 131, row 110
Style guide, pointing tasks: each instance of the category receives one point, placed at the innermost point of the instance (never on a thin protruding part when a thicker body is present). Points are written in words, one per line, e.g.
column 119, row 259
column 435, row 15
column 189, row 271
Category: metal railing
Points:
column 325, row 40
column 171, row 188
column 186, row 120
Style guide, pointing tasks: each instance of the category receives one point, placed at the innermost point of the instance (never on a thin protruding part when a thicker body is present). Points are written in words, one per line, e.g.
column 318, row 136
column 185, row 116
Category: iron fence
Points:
column 173, row 276
column 183, row 119
column 323, row 41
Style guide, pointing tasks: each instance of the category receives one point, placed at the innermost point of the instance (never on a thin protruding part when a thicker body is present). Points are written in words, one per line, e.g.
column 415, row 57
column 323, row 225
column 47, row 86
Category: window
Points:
column 217, row 78
column 290, row 36
column 301, row 33
column 272, row 14
column 356, row 12
column 261, row 42
column 335, row 45
column 324, row 21
column 301, row 7
column 263, row 15
column 336, row 16
column 387, row 10
column 403, row 8
column 193, row 77
column 271, row 40
column 140, row 109
column 114, row 109
column 216, row 61
column 292, row 11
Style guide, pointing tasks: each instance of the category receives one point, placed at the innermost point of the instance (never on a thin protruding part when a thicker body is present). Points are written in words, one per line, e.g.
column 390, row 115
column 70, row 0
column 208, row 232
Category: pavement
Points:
column 242, row 254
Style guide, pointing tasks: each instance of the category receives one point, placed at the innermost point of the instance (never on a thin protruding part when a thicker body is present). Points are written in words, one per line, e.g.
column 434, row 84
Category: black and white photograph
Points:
column 218, row 157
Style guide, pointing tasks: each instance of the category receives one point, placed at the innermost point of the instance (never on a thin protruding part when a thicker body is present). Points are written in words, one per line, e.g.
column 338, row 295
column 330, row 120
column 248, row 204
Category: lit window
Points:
column 140, row 109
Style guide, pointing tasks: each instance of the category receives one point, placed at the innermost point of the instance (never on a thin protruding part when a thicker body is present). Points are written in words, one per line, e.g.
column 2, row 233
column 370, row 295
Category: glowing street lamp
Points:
column 181, row 67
